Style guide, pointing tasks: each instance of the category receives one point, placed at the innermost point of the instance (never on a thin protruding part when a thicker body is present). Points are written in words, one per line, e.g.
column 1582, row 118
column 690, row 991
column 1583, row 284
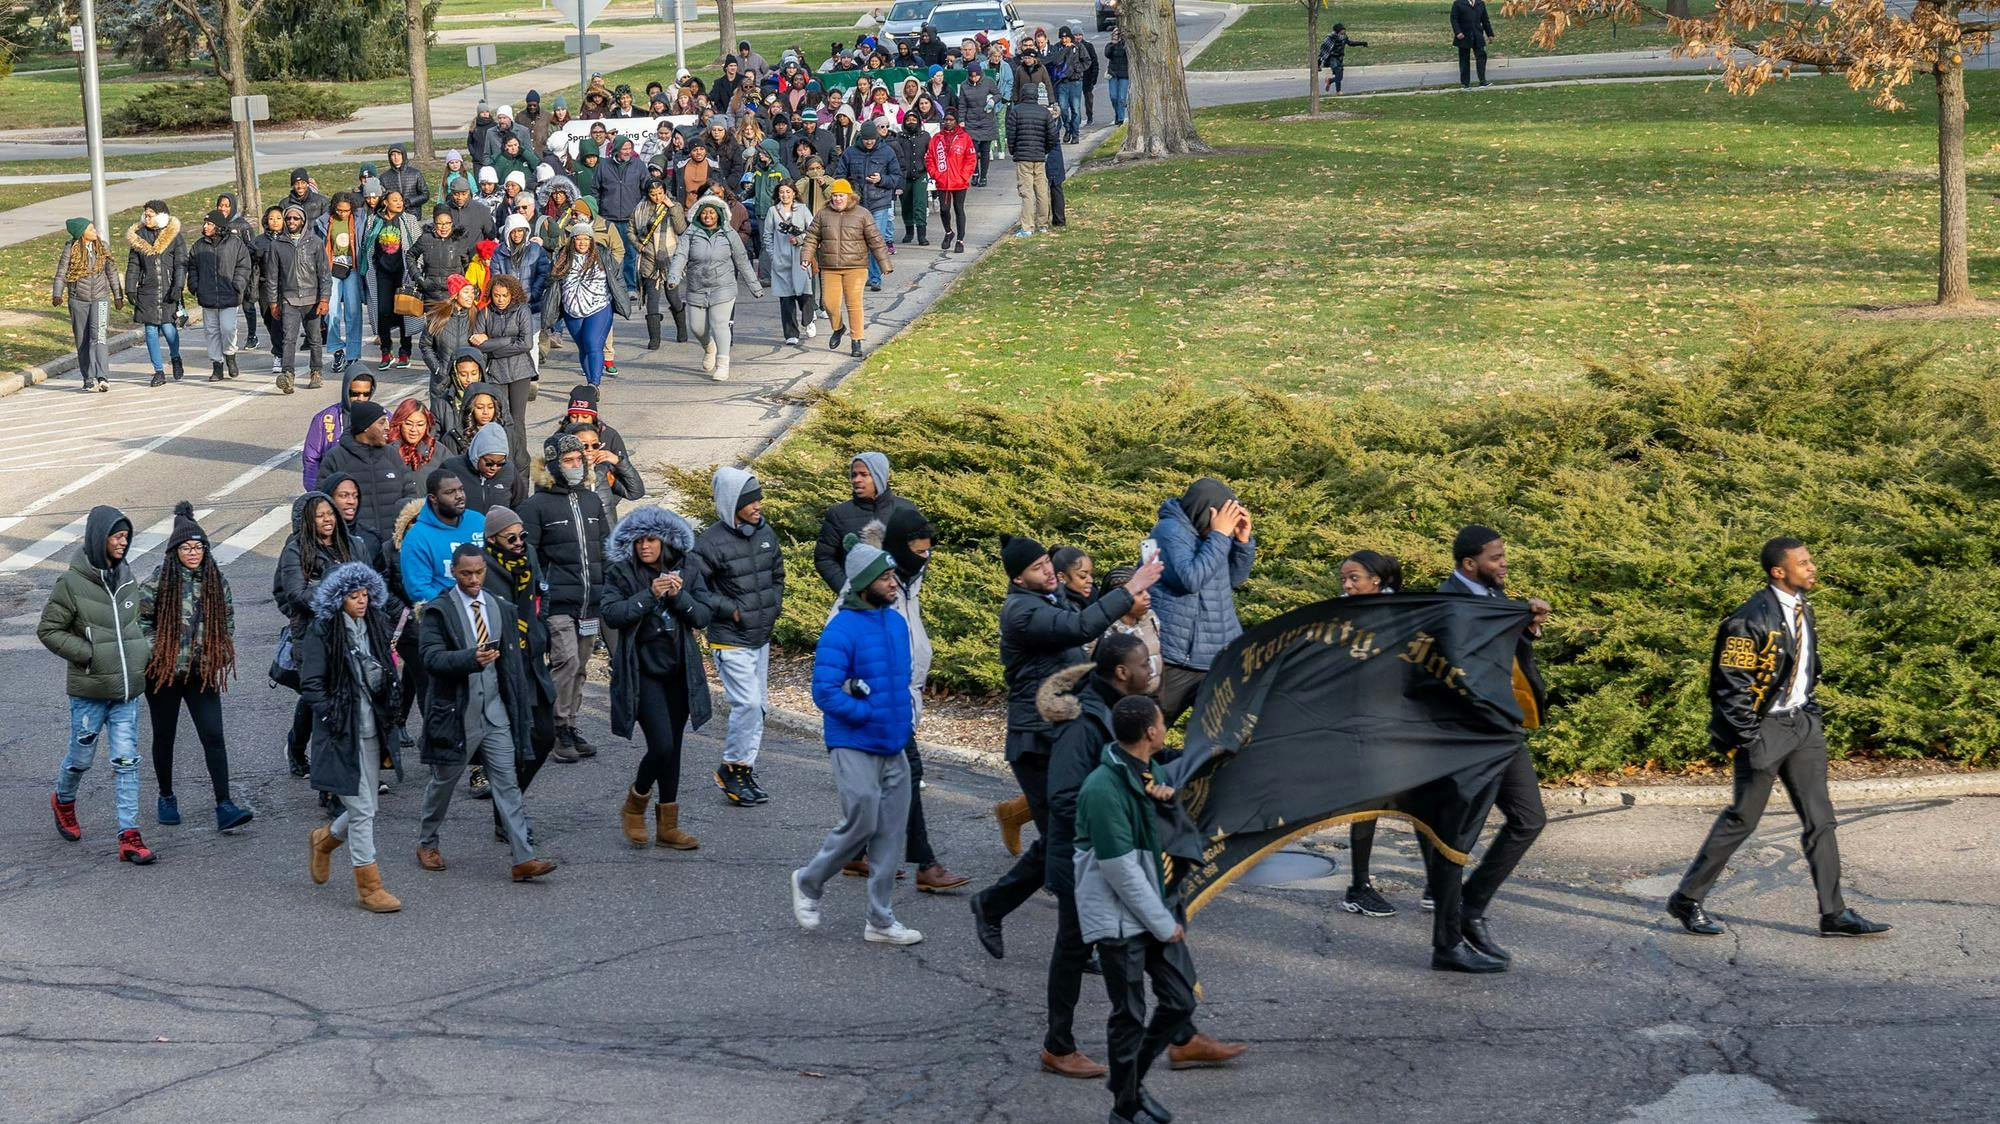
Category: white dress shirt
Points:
column 1802, row 643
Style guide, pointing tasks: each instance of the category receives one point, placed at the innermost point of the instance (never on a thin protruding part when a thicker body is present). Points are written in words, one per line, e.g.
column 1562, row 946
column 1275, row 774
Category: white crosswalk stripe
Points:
column 248, row 539
column 32, row 555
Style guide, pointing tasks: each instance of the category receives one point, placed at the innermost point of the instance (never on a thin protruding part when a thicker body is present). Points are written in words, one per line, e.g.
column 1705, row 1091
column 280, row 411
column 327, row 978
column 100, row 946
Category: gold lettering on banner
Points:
column 1422, row 652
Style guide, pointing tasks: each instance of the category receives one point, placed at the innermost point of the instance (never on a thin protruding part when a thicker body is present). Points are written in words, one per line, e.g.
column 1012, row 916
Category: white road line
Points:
column 253, row 472
column 157, row 533
column 246, row 540
column 92, row 477
column 28, row 557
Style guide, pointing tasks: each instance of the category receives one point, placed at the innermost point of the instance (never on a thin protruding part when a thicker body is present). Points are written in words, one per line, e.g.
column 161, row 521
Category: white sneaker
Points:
column 793, row 340
column 721, row 372
column 805, row 910
column 896, row 933
column 812, row 328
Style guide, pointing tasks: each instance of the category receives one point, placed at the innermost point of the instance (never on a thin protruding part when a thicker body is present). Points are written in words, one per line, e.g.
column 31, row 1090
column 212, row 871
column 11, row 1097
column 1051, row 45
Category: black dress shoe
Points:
column 1462, row 957
column 988, row 929
column 1480, row 936
column 1695, row 919
column 1848, row 923
column 1153, row 1108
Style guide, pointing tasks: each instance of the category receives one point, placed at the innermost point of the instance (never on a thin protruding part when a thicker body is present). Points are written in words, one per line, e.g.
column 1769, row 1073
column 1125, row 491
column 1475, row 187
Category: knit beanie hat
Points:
column 1018, row 552
column 452, row 155
column 560, row 103
column 583, row 400
column 517, row 178
column 491, row 439
column 362, row 414
column 371, row 186
column 454, row 283
column 488, row 175
column 185, row 528
column 220, row 220
column 865, row 563
column 76, row 227
column 499, row 518
column 580, row 229
column 560, row 444
column 544, row 173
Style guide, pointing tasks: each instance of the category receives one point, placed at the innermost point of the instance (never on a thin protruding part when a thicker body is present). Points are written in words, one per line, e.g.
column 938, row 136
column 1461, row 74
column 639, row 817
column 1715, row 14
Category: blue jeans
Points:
column 154, row 332
column 344, row 317
column 624, row 229
column 1121, row 92
column 590, row 332
column 1070, row 96
column 117, row 723
column 885, row 221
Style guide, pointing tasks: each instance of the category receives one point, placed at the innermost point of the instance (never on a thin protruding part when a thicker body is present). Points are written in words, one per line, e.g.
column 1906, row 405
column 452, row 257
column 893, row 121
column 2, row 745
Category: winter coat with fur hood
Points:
column 667, row 624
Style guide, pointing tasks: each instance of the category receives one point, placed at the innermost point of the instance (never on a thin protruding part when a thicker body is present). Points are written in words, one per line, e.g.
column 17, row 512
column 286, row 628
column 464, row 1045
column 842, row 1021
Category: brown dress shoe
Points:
column 1203, row 1050
column 1073, row 1064
column 859, row 868
column 935, row 879
column 533, row 868
column 429, row 858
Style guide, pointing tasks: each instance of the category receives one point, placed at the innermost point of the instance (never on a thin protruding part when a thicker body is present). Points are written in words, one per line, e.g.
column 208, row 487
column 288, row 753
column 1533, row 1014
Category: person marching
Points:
column 88, row 282
column 346, row 677
column 708, row 264
column 1365, row 573
column 155, row 274
column 743, row 585
column 839, row 247
column 582, row 297
column 186, row 608
column 219, row 270
column 653, row 598
column 1761, row 682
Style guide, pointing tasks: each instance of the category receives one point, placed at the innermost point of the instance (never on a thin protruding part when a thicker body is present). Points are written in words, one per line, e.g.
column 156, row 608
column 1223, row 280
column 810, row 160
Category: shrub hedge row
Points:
column 176, row 107
column 1634, row 501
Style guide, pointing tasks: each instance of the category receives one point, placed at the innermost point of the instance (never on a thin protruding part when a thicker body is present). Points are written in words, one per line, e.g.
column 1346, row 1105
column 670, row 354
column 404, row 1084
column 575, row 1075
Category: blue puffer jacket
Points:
column 873, row 646
column 1195, row 598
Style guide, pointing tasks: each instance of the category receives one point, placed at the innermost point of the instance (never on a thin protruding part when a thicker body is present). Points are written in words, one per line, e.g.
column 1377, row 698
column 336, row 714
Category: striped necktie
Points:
column 479, row 626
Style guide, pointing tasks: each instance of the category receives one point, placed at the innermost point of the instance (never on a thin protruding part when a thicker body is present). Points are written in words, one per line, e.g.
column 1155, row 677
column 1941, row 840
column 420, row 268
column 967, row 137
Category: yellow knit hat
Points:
column 841, row 187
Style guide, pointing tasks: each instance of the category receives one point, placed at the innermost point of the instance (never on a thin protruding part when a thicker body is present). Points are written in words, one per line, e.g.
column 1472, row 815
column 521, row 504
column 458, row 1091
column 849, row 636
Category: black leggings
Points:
column 205, row 707
column 1361, row 846
column 951, row 209
column 388, row 321
column 300, row 739
column 985, row 151
column 663, row 718
column 795, row 312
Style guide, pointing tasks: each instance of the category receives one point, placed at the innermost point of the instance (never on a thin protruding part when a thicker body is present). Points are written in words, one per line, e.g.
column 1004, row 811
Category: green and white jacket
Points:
column 1119, row 892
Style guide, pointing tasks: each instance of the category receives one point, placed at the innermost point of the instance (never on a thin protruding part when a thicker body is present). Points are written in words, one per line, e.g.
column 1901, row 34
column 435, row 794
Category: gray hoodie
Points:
column 743, row 569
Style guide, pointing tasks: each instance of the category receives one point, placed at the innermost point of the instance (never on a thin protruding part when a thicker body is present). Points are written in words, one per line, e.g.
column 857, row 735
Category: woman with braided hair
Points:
column 319, row 542
column 185, row 609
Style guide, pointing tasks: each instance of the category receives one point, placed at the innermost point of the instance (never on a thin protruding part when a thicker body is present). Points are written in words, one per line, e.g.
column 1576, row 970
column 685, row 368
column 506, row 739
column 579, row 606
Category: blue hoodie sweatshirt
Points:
column 427, row 547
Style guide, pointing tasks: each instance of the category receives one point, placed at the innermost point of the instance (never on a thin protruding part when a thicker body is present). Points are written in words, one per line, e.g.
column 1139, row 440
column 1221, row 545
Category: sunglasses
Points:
column 592, row 446
column 361, row 395
column 508, row 539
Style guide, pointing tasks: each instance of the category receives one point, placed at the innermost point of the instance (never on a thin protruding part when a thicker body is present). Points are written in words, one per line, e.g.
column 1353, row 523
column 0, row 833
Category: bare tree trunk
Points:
column 1678, row 9
column 1160, row 122
column 1312, row 47
column 423, row 152
column 1954, row 280
column 725, row 23
column 237, row 74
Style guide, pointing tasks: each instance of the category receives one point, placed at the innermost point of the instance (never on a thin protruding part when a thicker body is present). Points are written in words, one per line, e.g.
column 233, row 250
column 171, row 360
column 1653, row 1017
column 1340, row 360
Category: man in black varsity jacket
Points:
column 1760, row 692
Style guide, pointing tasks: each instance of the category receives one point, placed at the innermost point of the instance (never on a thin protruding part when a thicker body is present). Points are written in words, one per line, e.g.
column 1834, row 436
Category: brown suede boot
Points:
column 667, row 819
column 324, row 844
column 368, row 887
column 1012, row 814
column 632, row 818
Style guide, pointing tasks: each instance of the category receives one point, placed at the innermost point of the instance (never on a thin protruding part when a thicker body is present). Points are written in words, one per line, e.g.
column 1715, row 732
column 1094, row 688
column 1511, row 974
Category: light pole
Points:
column 93, row 122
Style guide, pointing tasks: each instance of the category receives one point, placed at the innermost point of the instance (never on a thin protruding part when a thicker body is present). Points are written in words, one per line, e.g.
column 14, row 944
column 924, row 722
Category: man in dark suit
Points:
column 1761, row 679
column 1470, row 29
column 480, row 706
column 1479, row 569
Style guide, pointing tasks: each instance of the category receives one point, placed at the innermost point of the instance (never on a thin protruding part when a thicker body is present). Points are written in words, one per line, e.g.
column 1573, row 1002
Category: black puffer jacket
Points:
column 385, row 482
column 304, row 561
column 155, row 271
column 566, row 529
column 504, row 488
column 219, row 271
column 656, row 632
column 742, row 569
column 842, row 520
column 1038, row 638
column 1031, row 131
column 435, row 259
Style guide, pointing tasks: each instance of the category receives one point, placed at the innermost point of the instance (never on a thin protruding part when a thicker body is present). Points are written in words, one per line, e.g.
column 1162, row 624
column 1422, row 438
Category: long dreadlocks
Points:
column 215, row 651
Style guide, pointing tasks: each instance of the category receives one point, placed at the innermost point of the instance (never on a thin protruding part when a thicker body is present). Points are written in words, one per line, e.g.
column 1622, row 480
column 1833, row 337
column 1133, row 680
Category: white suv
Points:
column 954, row 20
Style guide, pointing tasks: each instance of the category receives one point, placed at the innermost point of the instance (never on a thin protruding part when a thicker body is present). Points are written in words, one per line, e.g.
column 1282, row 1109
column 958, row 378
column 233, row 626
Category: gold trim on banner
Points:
column 1445, row 849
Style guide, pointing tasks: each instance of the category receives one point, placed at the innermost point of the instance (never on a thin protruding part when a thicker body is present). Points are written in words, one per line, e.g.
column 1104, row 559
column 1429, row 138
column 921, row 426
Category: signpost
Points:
column 250, row 109
column 580, row 13
column 482, row 56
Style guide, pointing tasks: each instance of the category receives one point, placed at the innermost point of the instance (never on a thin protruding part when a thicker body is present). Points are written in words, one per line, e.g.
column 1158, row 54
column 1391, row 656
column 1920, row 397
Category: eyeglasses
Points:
column 508, row 540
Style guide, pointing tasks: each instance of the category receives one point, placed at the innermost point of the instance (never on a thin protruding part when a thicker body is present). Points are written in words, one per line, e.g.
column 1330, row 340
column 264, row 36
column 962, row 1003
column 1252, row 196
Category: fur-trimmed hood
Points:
column 650, row 521
column 343, row 580
column 166, row 236
column 407, row 517
column 1056, row 699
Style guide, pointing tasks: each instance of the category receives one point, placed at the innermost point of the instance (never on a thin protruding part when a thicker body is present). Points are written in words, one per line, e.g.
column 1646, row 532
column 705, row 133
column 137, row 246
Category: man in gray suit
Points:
column 480, row 704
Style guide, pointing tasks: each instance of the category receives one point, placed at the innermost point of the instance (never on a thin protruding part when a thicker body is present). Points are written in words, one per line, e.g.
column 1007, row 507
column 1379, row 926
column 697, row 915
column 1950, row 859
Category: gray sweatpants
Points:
column 356, row 825
column 88, row 321
column 874, row 793
column 745, row 674
column 711, row 323
column 220, row 324
column 496, row 752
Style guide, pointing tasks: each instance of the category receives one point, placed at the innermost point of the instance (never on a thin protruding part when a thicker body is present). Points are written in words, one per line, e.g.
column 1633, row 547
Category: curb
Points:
column 14, row 382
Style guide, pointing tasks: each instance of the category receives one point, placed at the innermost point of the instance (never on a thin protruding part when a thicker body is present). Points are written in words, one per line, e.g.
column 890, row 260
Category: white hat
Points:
column 504, row 111
column 544, row 173
column 517, row 178
column 488, row 175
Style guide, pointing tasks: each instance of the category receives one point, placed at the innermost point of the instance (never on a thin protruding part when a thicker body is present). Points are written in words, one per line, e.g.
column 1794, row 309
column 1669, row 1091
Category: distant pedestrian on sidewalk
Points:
column 841, row 245
column 861, row 684
column 1032, row 131
column 88, row 283
column 155, row 275
column 348, row 680
column 1333, row 55
column 185, row 608
column 92, row 622
column 1470, row 30
column 218, row 277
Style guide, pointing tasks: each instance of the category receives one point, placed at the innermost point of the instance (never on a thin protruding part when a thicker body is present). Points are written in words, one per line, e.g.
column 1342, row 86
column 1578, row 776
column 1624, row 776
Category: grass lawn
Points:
column 769, row 44
column 1447, row 245
column 1273, row 36
column 448, row 71
column 22, row 194
column 31, row 331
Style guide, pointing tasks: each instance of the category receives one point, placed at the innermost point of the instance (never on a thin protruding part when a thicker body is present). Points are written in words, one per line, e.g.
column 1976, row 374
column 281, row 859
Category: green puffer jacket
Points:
column 92, row 618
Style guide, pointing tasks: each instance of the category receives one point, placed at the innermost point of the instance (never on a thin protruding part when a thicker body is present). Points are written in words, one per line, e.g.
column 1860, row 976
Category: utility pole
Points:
column 93, row 122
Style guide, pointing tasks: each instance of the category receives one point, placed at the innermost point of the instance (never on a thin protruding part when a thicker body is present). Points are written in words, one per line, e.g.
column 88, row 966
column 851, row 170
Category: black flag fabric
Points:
column 1399, row 704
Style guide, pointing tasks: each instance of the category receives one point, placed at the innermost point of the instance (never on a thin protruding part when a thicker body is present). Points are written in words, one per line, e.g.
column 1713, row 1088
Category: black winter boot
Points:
column 923, row 235
column 653, row 331
column 680, row 324
column 179, row 368
column 216, row 375
column 229, row 363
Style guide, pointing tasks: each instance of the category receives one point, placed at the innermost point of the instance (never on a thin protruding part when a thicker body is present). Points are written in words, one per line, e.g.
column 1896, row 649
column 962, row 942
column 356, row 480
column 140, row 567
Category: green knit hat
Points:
column 76, row 227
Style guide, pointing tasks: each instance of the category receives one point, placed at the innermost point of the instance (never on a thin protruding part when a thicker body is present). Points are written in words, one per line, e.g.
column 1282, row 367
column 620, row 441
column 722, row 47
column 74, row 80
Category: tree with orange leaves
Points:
column 1879, row 50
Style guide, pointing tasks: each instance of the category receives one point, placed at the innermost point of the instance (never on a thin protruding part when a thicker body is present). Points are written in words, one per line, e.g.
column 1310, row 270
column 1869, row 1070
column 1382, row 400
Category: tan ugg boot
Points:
column 632, row 818
column 669, row 834
column 1013, row 815
column 324, row 844
column 368, row 887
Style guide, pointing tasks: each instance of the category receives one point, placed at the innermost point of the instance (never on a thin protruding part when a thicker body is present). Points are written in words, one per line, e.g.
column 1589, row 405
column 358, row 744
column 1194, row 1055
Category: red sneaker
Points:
column 65, row 818
column 132, row 849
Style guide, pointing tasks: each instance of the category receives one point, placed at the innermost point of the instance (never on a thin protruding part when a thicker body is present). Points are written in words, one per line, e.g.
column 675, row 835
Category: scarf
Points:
column 518, row 571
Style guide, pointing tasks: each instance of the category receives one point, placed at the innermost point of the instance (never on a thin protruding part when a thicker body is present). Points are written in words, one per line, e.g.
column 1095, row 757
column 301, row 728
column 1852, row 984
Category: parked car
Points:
column 906, row 19
column 1107, row 14
column 954, row 20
